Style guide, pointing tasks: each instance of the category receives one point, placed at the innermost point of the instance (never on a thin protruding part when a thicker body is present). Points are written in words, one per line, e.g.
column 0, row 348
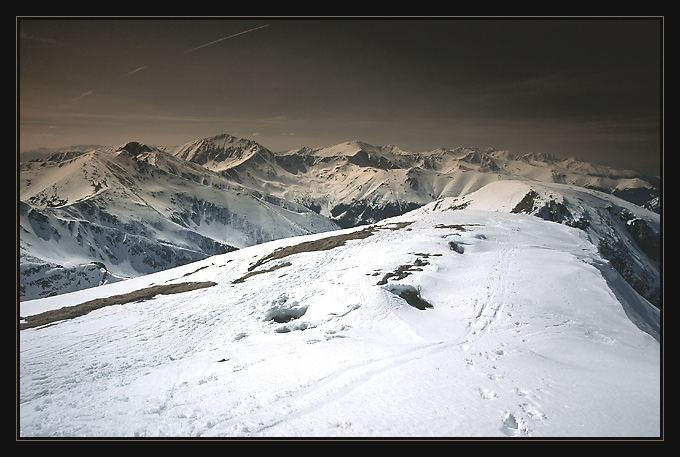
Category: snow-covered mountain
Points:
column 220, row 152
column 357, row 183
column 87, row 218
column 93, row 216
column 491, row 314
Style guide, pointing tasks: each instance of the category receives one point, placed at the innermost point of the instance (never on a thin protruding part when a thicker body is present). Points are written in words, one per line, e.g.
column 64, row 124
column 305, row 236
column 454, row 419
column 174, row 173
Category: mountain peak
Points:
column 135, row 148
column 219, row 151
column 541, row 157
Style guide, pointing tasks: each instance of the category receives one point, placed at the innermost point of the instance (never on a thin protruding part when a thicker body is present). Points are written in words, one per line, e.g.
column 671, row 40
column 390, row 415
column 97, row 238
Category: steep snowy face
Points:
column 137, row 210
column 458, row 319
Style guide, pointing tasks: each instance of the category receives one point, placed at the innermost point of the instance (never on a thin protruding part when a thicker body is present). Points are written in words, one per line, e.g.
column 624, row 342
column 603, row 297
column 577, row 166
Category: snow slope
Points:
column 625, row 234
column 443, row 322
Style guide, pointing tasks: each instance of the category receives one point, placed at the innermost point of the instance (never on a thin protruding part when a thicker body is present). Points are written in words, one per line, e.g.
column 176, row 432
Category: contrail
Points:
column 85, row 94
column 225, row 38
column 203, row 46
column 137, row 69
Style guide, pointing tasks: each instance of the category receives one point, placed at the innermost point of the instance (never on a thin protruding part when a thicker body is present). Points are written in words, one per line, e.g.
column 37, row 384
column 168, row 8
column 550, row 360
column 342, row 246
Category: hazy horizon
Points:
column 584, row 88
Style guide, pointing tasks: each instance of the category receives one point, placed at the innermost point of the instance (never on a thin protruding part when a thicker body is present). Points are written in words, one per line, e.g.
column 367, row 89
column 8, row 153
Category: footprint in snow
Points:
column 510, row 425
column 487, row 394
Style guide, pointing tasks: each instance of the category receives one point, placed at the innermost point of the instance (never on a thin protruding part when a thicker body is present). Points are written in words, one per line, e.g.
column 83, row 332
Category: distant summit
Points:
column 135, row 148
column 219, row 152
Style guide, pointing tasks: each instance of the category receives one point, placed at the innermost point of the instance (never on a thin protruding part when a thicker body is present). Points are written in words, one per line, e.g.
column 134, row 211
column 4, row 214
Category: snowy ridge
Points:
column 462, row 318
column 626, row 235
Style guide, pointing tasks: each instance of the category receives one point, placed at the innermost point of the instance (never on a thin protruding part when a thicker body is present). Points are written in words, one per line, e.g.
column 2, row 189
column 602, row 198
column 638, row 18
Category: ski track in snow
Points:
column 334, row 387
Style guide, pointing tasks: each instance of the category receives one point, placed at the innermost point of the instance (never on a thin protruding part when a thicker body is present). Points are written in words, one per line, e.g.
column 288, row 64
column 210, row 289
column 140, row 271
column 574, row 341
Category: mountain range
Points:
column 96, row 215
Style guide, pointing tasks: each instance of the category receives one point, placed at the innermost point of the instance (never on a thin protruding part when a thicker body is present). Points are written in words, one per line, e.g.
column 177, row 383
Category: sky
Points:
column 589, row 88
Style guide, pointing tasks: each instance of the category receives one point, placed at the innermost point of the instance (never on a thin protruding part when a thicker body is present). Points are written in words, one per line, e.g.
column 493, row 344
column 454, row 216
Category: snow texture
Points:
column 529, row 333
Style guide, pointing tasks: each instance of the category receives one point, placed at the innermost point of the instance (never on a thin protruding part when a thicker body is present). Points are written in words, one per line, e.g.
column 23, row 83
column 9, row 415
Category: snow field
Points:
column 524, row 339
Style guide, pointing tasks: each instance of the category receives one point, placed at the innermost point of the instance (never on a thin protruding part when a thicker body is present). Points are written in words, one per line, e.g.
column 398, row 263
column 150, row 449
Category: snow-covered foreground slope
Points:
column 625, row 234
column 524, row 331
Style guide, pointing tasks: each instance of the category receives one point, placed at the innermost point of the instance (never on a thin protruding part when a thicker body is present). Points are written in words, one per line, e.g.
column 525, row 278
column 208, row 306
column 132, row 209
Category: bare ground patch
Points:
column 526, row 205
column 70, row 312
column 253, row 273
column 460, row 227
column 410, row 294
column 325, row 244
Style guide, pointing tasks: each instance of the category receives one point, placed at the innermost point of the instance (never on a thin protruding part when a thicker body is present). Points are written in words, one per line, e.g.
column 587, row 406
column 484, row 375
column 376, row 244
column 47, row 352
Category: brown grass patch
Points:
column 70, row 312
column 253, row 273
column 460, row 227
column 325, row 244
column 404, row 270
